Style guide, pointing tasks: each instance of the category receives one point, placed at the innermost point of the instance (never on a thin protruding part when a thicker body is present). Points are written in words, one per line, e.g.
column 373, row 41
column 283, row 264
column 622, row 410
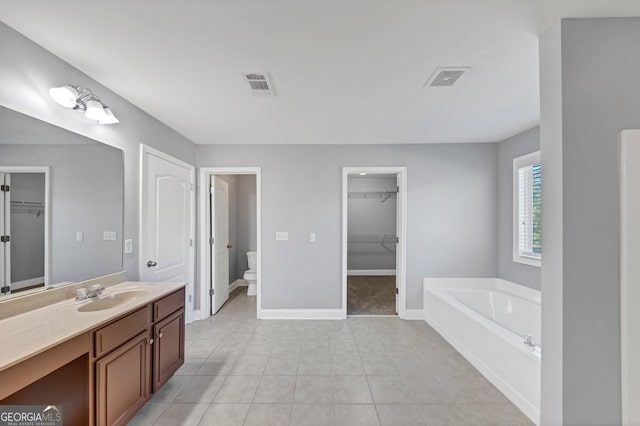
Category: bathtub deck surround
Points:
column 360, row 371
column 496, row 326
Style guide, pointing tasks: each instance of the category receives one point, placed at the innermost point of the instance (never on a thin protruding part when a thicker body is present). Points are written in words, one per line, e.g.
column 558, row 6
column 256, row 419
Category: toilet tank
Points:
column 252, row 260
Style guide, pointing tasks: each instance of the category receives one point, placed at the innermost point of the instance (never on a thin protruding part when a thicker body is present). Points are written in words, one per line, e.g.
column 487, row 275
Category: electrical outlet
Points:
column 312, row 237
column 128, row 246
column 109, row 236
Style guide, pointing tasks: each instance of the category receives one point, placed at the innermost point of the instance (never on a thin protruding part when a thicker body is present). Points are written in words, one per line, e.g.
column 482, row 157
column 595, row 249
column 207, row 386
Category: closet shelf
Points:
column 371, row 243
column 385, row 194
column 34, row 207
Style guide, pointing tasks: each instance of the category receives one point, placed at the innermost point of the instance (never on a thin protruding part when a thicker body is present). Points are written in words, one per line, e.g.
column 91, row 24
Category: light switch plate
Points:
column 128, row 246
column 282, row 236
column 109, row 236
column 79, row 236
column 312, row 237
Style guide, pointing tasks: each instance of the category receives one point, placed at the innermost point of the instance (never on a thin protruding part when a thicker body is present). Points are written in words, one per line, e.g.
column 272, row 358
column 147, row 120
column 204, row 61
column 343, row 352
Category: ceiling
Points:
column 345, row 71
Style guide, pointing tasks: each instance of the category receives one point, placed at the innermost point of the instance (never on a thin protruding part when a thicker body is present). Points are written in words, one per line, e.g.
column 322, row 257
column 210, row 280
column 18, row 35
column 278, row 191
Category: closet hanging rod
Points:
column 17, row 203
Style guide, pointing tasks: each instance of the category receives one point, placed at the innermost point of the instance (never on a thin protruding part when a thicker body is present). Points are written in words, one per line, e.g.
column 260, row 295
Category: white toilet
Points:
column 251, row 276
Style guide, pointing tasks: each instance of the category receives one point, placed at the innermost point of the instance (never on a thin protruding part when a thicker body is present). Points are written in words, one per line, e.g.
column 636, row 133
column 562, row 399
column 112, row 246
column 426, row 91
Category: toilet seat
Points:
column 250, row 275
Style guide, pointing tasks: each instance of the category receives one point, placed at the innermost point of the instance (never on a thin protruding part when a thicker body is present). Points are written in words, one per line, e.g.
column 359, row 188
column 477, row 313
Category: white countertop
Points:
column 28, row 334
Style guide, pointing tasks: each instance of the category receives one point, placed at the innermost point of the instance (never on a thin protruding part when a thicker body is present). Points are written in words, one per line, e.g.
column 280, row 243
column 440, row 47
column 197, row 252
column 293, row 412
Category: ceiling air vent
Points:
column 446, row 77
column 259, row 83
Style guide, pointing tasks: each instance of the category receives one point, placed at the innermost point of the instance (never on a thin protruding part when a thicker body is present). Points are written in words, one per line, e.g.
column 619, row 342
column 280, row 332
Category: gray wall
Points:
column 600, row 96
column 368, row 219
column 27, row 72
column 247, row 230
column 86, row 195
column 27, row 229
column 451, row 220
column 521, row 144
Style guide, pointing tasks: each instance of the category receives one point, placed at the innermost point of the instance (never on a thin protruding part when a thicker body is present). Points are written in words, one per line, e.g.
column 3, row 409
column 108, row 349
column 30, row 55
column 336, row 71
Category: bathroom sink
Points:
column 109, row 301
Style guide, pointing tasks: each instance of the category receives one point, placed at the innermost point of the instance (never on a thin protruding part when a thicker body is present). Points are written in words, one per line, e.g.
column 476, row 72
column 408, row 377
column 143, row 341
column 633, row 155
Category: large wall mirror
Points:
column 61, row 206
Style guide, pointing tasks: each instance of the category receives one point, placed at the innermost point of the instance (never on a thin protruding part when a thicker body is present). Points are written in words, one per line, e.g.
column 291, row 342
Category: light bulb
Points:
column 65, row 95
column 94, row 111
column 108, row 118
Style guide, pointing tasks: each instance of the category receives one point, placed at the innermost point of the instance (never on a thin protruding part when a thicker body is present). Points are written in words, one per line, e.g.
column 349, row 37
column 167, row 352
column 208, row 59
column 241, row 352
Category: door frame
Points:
column 206, row 269
column 629, row 143
column 47, row 212
column 145, row 150
column 401, row 266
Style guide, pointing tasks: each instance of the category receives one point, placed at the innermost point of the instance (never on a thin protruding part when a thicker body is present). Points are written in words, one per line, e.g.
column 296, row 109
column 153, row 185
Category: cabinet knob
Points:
column 151, row 341
column 159, row 335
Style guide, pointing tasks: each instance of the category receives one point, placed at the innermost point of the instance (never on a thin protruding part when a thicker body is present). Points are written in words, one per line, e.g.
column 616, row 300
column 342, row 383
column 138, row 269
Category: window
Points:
column 527, row 208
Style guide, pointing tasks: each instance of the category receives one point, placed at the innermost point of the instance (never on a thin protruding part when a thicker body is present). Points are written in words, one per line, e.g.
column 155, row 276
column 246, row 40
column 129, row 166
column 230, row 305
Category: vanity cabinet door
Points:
column 122, row 381
column 168, row 348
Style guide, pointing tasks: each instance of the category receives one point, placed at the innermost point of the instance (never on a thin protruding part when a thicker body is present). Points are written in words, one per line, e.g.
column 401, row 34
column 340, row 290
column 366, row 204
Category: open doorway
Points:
column 24, row 224
column 230, row 228
column 373, row 241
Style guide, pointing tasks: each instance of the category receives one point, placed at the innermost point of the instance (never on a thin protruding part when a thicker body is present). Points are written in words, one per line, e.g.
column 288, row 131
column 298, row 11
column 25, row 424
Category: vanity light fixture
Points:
column 84, row 100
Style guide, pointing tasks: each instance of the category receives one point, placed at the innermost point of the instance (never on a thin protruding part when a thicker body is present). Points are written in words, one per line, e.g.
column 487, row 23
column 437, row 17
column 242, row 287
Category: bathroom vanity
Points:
column 101, row 359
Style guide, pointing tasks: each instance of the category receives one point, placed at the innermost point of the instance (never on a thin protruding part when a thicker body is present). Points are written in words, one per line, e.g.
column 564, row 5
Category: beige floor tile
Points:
column 389, row 390
column 312, row 415
column 217, row 365
column 249, row 365
column 443, row 415
column 494, row 415
column 200, row 389
column 355, row 415
column 170, row 389
column 282, row 365
column 181, row 415
column 225, row 415
column 313, row 389
column 351, row 390
column 275, row 389
column 238, row 389
column 268, row 415
column 399, row 415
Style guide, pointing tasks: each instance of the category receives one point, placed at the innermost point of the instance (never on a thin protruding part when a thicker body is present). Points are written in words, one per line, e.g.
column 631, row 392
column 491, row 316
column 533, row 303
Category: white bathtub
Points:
column 486, row 320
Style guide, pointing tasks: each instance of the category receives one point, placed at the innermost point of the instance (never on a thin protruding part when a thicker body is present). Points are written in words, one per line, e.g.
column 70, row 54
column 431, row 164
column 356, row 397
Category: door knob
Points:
column 151, row 264
column 229, row 246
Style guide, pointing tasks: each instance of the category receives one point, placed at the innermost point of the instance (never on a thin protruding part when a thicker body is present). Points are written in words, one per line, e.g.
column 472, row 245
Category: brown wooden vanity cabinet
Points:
column 135, row 355
column 105, row 375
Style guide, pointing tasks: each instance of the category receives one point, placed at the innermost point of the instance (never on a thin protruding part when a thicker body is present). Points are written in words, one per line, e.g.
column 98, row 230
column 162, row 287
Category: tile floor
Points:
column 361, row 371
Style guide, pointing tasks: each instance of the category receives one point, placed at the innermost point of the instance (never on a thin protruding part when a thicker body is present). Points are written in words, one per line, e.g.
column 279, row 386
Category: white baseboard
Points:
column 414, row 314
column 26, row 283
column 237, row 283
column 302, row 314
column 371, row 272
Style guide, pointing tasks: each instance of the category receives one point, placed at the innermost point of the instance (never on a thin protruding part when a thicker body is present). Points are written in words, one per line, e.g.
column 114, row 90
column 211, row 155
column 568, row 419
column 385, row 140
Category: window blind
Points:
column 529, row 211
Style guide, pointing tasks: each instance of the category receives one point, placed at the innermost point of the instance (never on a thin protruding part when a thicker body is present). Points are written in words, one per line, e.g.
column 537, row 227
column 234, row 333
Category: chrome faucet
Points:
column 95, row 291
column 528, row 340
column 90, row 293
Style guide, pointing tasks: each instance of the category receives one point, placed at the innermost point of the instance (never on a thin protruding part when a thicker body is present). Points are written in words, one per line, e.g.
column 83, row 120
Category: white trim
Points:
column 26, row 283
column 401, row 262
column 519, row 162
column 371, row 272
column 414, row 314
column 237, row 283
column 303, row 314
column 629, row 275
column 144, row 151
column 204, row 275
column 47, row 211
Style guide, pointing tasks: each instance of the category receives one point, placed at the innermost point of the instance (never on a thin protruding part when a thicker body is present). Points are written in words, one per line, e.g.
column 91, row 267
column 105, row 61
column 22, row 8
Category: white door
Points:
column 167, row 204
column 220, row 242
column 5, row 230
